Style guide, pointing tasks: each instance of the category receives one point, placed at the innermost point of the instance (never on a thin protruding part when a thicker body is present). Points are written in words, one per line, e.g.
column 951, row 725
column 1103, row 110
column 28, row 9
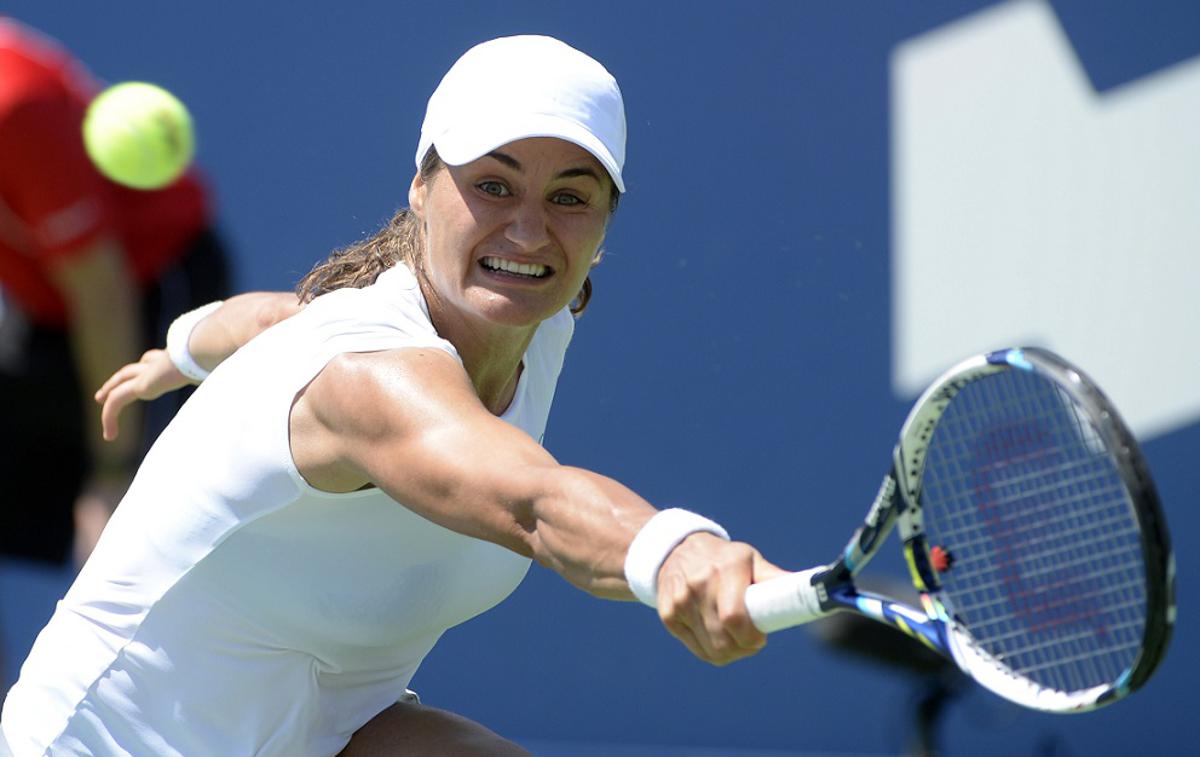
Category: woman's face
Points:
column 511, row 236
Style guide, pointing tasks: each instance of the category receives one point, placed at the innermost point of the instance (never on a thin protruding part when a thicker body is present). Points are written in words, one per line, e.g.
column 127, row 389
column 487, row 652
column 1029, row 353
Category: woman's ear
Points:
column 416, row 196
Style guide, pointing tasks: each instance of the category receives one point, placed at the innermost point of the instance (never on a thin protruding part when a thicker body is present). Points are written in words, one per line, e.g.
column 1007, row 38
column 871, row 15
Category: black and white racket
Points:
column 1031, row 529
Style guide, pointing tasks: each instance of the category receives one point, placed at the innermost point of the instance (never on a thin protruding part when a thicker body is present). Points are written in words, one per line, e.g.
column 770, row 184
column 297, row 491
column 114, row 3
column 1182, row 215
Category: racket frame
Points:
column 831, row 588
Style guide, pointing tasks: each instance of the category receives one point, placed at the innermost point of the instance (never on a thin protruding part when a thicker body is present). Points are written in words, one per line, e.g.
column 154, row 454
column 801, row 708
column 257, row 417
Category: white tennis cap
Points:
column 528, row 86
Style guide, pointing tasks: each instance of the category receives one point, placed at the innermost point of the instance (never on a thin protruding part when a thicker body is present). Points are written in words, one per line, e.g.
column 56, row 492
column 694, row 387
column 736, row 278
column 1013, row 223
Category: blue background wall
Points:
column 736, row 356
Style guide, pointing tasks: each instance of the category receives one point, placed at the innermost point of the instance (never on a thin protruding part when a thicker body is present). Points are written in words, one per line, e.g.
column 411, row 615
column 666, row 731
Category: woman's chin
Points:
column 507, row 309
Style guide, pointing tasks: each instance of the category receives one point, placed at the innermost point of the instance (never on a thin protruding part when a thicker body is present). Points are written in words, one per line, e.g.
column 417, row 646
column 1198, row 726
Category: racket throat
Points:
column 923, row 628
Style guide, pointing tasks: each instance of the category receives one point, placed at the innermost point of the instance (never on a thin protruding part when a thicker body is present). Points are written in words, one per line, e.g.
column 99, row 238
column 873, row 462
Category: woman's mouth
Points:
column 513, row 268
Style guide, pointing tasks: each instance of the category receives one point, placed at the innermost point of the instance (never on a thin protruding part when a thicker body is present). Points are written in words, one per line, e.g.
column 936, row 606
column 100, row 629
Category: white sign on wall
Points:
column 1028, row 209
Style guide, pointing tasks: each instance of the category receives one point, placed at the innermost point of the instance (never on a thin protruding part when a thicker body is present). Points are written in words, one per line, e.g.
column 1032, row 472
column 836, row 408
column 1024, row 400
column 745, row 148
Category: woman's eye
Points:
column 566, row 199
column 494, row 188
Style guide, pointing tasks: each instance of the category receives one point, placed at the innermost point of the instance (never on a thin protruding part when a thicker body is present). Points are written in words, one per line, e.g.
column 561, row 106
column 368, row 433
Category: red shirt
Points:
column 53, row 201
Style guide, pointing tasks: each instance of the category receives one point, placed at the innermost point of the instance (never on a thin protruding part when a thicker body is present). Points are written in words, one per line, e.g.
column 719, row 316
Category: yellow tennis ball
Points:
column 139, row 135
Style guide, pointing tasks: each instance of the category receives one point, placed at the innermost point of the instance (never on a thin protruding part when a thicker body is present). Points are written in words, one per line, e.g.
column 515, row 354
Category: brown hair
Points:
column 401, row 240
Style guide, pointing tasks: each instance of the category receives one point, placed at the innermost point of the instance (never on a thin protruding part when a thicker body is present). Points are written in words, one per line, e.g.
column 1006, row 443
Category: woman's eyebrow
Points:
column 568, row 173
column 507, row 160
column 571, row 173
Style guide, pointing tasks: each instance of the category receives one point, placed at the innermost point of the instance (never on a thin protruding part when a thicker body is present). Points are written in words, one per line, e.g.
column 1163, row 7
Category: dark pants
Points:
column 44, row 458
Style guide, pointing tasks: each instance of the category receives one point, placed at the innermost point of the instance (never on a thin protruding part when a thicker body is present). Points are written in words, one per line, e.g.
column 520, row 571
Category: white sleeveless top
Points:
column 231, row 609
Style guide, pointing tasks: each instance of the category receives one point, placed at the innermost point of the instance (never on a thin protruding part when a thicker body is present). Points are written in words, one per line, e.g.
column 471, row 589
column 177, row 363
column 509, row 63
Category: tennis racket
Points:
column 1031, row 529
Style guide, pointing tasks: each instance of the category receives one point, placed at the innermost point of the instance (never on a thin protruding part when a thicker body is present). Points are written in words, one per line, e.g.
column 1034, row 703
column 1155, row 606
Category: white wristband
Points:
column 654, row 543
column 177, row 341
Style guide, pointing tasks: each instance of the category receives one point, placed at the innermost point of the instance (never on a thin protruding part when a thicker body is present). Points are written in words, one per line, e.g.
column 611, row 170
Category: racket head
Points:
column 1033, row 526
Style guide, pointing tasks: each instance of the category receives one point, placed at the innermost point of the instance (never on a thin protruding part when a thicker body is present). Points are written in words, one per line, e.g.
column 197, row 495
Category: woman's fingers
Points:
column 731, row 610
column 115, row 400
column 123, row 374
column 684, row 633
column 702, row 598
column 149, row 378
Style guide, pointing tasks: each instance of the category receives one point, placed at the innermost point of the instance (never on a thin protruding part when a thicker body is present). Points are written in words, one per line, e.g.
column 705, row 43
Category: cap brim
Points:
column 457, row 148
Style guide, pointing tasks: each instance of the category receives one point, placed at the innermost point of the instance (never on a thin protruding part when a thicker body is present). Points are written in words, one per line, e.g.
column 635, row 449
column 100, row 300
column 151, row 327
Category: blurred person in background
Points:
column 91, row 273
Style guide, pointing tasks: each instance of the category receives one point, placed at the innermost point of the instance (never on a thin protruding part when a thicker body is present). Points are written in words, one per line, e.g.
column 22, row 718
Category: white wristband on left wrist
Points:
column 655, row 542
column 178, row 335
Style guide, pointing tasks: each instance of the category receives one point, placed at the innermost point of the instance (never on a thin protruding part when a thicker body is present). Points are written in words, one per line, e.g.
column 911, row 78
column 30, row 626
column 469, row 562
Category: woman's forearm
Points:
column 238, row 320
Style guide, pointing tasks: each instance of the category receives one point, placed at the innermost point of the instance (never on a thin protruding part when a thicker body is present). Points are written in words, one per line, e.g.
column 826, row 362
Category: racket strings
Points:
column 999, row 619
column 1047, row 574
column 1035, row 483
column 1100, row 527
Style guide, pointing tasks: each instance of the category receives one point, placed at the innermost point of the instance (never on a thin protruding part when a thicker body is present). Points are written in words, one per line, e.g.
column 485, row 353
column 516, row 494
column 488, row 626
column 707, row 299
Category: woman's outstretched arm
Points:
column 409, row 422
column 214, row 338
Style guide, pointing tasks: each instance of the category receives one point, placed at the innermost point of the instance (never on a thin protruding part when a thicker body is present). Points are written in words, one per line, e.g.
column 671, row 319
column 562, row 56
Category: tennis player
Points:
column 365, row 473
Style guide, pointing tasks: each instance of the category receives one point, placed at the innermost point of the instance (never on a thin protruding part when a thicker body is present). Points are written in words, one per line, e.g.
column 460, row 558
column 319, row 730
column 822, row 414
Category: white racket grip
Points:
column 784, row 602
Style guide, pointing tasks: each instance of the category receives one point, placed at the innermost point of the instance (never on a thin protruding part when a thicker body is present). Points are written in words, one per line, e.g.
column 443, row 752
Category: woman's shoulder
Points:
column 554, row 334
column 560, row 325
column 393, row 297
column 388, row 313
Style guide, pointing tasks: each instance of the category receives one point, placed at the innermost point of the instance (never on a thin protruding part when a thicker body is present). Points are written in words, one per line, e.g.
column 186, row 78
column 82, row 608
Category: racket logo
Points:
column 887, row 492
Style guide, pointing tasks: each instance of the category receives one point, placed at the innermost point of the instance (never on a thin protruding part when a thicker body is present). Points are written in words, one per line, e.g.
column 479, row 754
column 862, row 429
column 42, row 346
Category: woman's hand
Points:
column 149, row 378
column 701, row 597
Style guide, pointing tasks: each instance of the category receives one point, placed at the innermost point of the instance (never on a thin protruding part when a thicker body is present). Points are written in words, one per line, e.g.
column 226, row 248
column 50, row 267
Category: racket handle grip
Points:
column 786, row 601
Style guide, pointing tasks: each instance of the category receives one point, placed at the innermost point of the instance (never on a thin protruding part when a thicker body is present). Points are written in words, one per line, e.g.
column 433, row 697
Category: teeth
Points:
column 535, row 270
